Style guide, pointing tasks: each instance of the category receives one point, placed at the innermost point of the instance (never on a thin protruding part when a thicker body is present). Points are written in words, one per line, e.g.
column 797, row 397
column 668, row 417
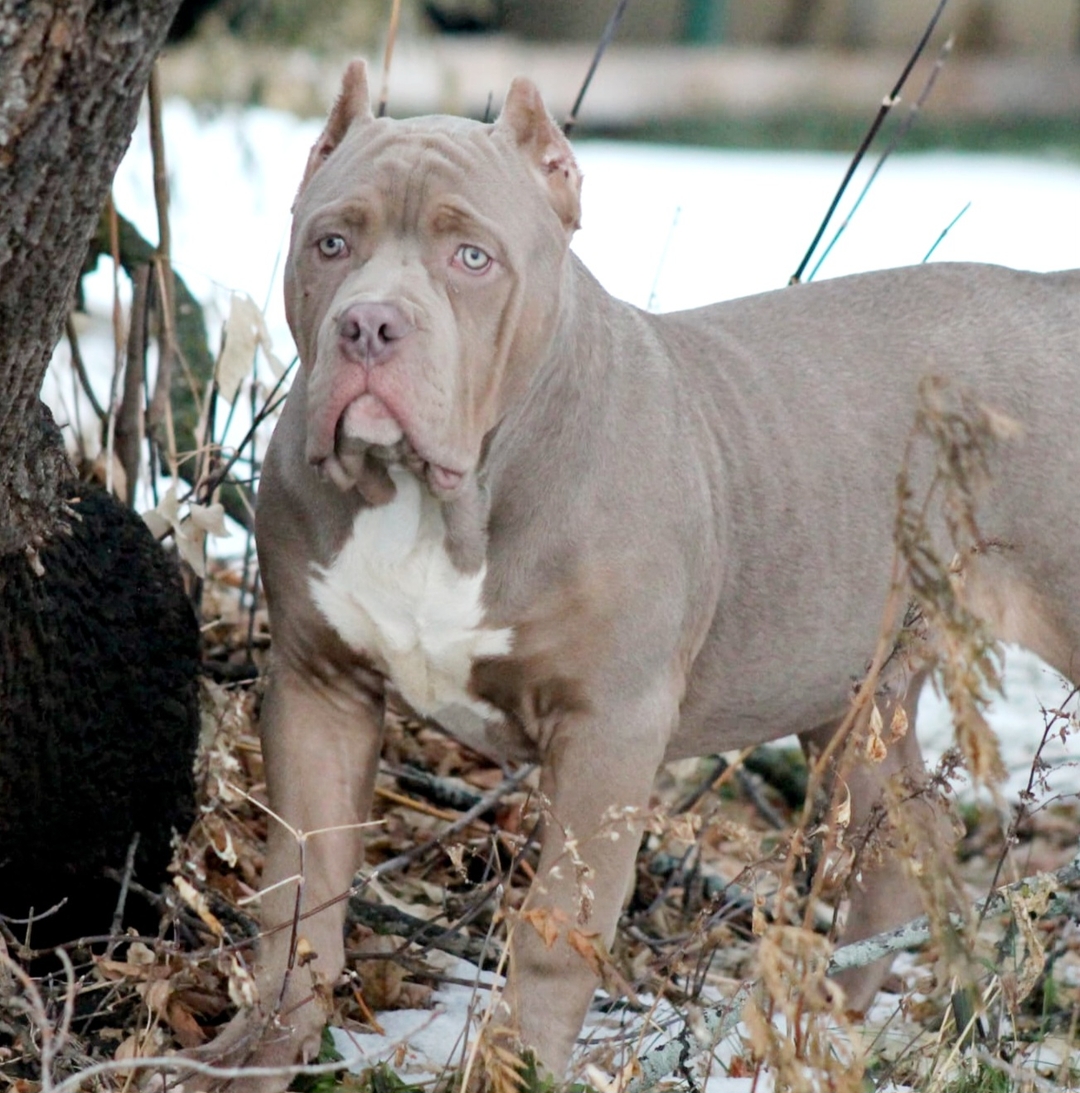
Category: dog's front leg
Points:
column 597, row 776
column 320, row 744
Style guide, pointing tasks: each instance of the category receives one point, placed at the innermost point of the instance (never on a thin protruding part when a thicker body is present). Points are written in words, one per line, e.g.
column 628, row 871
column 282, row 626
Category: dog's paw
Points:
column 252, row 1054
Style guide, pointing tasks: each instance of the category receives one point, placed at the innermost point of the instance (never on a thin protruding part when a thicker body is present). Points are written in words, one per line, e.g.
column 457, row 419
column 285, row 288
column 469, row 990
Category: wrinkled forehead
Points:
column 410, row 164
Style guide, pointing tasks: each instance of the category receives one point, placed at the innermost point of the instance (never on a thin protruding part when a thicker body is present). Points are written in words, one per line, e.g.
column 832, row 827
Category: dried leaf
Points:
column 185, row 1028
column 245, row 330
column 189, row 530
column 197, row 902
column 898, row 725
column 589, row 947
column 305, row 954
column 210, row 519
column 547, row 922
column 242, row 990
column 842, row 813
column 1028, row 905
column 875, row 748
column 758, row 922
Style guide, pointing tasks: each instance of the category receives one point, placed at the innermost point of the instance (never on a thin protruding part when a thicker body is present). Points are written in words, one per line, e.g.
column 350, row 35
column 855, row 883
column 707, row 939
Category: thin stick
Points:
column 1022, row 810
column 121, row 899
column 388, row 56
column 129, row 419
column 887, row 104
column 80, row 369
column 605, row 40
column 118, row 339
column 901, row 132
column 163, row 261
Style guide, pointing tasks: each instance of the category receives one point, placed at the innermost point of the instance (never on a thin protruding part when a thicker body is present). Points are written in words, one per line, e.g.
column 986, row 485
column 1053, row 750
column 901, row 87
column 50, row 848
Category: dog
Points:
column 577, row 533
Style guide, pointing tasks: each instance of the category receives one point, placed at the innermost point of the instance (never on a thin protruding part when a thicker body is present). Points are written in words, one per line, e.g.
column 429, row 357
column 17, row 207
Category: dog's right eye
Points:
column 332, row 246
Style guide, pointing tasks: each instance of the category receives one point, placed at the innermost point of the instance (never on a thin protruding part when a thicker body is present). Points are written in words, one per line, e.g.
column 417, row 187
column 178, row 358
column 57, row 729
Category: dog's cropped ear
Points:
column 525, row 119
column 352, row 104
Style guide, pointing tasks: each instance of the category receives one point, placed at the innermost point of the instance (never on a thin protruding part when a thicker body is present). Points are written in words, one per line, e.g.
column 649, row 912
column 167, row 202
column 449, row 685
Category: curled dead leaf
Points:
column 589, row 947
column 547, row 922
column 243, row 992
column 197, row 902
column 305, row 954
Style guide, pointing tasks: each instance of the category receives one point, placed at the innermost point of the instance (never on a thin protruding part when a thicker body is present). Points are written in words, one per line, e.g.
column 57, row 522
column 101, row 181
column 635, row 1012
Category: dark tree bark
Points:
column 72, row 74
column 99, row 645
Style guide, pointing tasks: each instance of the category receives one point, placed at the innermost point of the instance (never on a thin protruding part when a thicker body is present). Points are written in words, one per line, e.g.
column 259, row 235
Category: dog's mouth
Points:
column 368, row 440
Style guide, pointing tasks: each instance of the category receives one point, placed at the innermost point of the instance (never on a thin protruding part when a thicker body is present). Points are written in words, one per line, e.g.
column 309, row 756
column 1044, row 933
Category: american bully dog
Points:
column 578, row 533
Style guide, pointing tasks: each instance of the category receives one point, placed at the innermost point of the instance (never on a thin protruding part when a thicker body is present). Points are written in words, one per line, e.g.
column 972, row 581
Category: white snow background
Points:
column 663, row 227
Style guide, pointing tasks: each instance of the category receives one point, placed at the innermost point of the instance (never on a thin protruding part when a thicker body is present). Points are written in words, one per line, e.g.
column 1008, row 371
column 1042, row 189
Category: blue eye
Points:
column 473, row 258
column 332, row 246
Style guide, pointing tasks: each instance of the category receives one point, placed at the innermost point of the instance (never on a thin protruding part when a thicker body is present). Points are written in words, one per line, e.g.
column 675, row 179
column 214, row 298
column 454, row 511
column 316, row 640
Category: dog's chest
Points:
column 393, row 594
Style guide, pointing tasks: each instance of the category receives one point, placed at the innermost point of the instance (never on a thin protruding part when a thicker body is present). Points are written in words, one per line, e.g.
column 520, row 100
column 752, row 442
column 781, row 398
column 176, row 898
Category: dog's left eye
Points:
column 473, row 258
column 332, row 246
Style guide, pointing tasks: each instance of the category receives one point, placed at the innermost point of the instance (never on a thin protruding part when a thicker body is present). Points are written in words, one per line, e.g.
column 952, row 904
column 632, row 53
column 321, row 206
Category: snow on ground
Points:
column 663, row 228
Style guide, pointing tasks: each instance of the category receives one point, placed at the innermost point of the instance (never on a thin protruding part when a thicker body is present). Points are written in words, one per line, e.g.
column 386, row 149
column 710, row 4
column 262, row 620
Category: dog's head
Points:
column 423, row 280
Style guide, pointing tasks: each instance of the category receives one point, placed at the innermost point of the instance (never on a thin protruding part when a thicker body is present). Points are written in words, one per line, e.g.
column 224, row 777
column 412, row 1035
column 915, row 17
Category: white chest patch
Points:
column 393, row 593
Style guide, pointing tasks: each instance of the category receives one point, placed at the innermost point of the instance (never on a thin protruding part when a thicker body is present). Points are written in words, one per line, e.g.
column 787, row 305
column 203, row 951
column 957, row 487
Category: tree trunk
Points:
column 72, row 75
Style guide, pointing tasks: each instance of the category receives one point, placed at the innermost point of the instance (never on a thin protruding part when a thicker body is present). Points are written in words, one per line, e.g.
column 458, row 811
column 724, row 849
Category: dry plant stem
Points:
column 52, row 1039
column 400, row 861
column 163, row 263
column 203, row 489
column 80, row 370
column 883, row 111
column 121, row 899
column 118, row 341
column 129, row 433
column 388, row 56
column 605, row 40
column 901, row 132
column 1022, row 810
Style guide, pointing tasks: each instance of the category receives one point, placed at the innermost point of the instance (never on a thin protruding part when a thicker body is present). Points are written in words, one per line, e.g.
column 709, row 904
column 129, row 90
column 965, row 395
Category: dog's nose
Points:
column 369, row 332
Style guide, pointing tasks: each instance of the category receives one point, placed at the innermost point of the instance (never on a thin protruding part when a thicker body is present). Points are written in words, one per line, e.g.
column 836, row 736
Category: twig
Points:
column 385, row 919
column 407, row 857
column 80, row 370
column 32, row 917
column 121, row 899
column 159, row 403
column 749, row 786
column 128, row 438
column 720, row 768
column 118, row 338
column 205, row 487
column 1028, row 794
column 605, row 40
column 902, row 131
column 887, row 104
column 388, row 56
